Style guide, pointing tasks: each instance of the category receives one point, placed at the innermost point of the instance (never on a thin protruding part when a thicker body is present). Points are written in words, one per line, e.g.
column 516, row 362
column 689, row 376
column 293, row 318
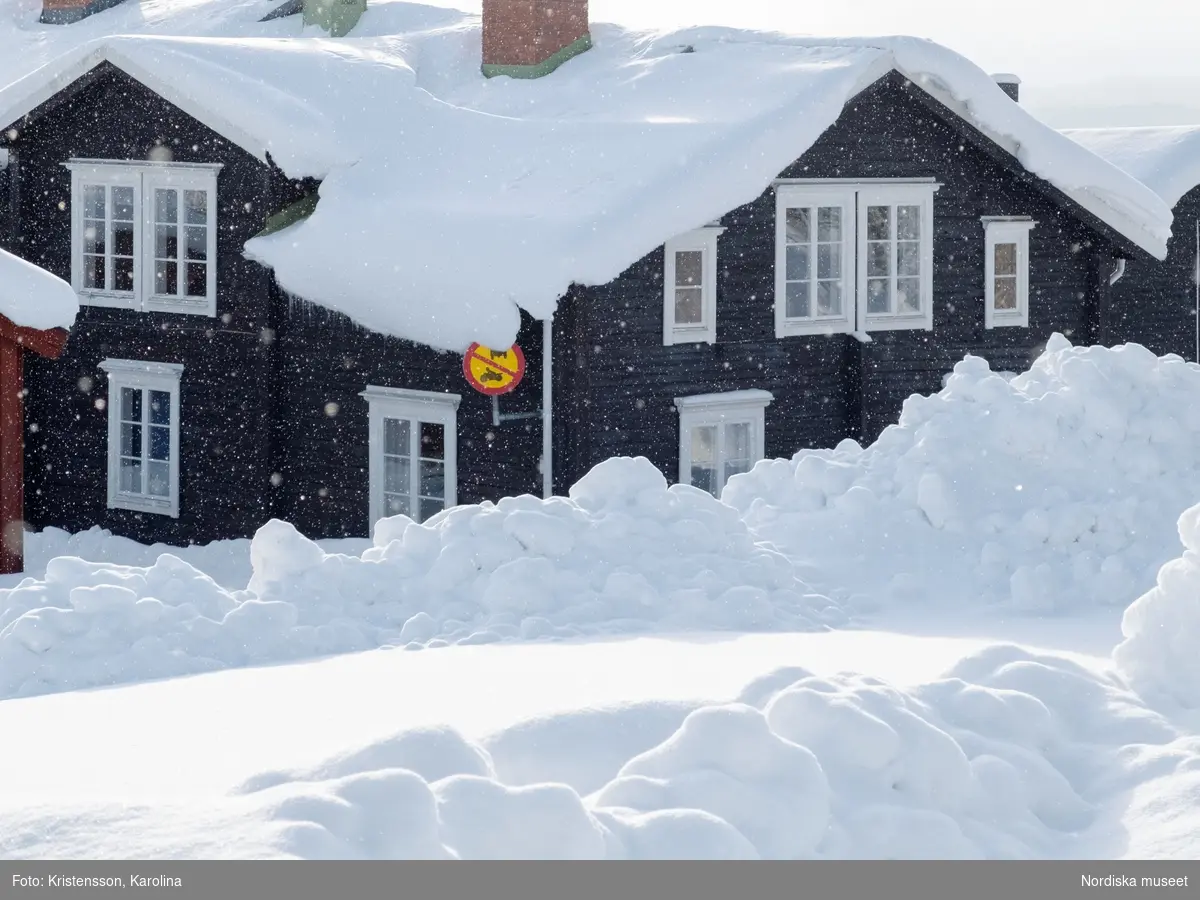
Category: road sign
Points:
column 493, row 372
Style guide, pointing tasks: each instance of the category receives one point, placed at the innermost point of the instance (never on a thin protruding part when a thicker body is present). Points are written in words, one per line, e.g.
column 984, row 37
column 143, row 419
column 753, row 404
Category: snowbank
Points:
column 418, row 152
column 1161, row 652
column 624, row 554
column 1166, row 159
column 33, row 298
column 996, row 760
column 1051, row 490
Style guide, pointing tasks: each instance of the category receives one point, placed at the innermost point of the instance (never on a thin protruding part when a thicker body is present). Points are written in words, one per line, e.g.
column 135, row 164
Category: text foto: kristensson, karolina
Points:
column 96, row 881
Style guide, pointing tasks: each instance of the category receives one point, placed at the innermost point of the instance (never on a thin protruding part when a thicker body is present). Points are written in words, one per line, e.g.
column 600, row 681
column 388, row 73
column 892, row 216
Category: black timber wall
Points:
column 225, row 401
column 1154, row 303
column 609, row 339
column 320, row 424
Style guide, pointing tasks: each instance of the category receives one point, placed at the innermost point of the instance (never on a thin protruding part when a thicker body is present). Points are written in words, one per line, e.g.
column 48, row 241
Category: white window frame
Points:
column 704, row 241
column 719, row 410
column 144, row 177
column 894, row 195
column 998, row 230
column 415, row 406
column 794, row 197
column 140, row 375
column 853, row 197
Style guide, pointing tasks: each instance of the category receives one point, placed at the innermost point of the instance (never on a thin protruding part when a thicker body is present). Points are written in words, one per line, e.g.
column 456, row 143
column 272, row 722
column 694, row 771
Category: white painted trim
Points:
column 1006, row 231
column 413, row 406
column 548, row 406
column 143, row 375
column 854, row 182
column 720, row 410
column 703, row 240
column 180, row 178
column 894, row 195
column 813, row 195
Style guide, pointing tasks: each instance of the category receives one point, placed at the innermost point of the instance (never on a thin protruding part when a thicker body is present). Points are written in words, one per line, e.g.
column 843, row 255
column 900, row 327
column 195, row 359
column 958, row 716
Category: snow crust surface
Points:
column 1165, row 158
column 34, row 298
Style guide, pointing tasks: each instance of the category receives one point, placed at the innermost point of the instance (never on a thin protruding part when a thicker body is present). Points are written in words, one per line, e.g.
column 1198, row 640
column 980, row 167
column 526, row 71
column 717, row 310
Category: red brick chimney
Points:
column 532, row 38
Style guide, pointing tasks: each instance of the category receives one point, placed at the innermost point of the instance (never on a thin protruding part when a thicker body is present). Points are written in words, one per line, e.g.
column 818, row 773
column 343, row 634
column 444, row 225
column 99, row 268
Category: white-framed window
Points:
column 144, row 235
column 143, row 435
column 413, row 452
column 690, row 288
column 1006, row 272
column 853, row 257
column 720, row 435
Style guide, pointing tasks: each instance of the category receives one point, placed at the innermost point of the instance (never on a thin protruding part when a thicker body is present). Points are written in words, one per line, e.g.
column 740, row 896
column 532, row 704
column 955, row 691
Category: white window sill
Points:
column 136, row 503
column 698, row 336
column 1008, row 321
column 907, row 323
column 812, row 327
column 110, row 300
column 196, row 306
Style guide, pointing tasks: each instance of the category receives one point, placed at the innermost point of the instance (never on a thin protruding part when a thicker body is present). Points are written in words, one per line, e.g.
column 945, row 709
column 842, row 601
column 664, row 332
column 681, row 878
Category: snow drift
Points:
column 624, row 554
column 34, row 298
column 1050, row 490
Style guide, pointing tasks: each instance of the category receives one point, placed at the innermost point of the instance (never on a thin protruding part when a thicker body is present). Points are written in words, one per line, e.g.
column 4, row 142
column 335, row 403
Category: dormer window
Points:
column 144, row 235
column 690, row 288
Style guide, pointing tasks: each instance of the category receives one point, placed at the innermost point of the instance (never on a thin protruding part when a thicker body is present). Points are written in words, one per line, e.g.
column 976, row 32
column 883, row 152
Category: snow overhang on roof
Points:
column 449, row 201
column 1166, row 159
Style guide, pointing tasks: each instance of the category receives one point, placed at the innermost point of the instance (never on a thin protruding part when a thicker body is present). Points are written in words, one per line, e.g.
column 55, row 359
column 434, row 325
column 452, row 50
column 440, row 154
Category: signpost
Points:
column 493, row 372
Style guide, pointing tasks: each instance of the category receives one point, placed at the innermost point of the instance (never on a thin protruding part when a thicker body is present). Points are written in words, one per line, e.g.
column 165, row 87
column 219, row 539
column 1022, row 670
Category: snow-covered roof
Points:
column 33, row 298
column 450, row 200
column 1166, row 159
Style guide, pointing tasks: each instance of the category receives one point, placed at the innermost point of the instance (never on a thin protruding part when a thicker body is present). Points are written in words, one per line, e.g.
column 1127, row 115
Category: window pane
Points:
column 704, row 445
column 798, row 306
column 122, row 233
column 433, row 441
column 197, row 279
column 93, row 236
column 798, row 226
column 433, row 479
column 93, row 272
column 93, row 201
column 689, row 268
column 166, row 205
column 829, row 260
column 879, row 296
column 908, row 223
column 166, row 278
column 131, row 440
column 396, row 505
column 797, row 263
column 160, row 443
column 1006, row 259
column 879, row 223
column 689, row 306
column 122, row 204
column 908, row 295
column 908, row 258
column 131, row 404
column 158, row 479
column 430, row 508
column 166, row 242
column 123, row 273
column 879, row 259
column 397, row 474
column 395, row 437
column 130, row 480
column 195, row 204
column 829, row 223
column 829, row 298
column 1006, row 293
column 737, row 440
column 160, row 408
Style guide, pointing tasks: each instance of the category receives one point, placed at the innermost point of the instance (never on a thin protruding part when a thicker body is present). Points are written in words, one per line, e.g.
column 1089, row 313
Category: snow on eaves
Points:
column 1164, row 158
column 449, row 201
column 33, row 298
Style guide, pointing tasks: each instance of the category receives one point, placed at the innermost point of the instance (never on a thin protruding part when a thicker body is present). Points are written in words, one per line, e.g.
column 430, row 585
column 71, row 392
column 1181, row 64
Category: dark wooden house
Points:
column 196, row 399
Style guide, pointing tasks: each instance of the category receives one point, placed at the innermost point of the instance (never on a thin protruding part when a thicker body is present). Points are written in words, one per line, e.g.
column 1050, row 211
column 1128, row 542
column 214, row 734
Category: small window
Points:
column 1006, row 272
column 144, row 235
column 690, row 288
column 720, row 435
column 413, row 438
column 143, row 435
column 895, row 266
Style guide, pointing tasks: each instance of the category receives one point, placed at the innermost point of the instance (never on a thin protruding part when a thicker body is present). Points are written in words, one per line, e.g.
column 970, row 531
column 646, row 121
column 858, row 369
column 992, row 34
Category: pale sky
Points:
column 1081, row 63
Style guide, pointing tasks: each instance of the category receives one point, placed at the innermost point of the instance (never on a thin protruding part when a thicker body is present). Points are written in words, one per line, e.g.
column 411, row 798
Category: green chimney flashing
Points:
column 539, row 70
column 335, row 16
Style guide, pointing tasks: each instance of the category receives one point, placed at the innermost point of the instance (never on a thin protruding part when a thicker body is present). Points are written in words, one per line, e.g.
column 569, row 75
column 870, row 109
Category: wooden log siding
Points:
column 826, row 388
column 224, row 459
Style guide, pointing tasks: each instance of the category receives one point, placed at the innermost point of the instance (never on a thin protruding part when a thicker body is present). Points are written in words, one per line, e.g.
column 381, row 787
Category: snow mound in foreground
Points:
column 1160, row 655
column 1052, row 489
column 624, row 554
column 983, row 763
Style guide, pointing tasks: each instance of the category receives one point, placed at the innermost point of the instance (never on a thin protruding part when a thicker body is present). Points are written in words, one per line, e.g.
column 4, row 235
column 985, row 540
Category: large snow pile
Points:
column 573, row 177
column 1053, row 489
column 1001, row 758
column 1160, row 655
column 34, row 298
column 1164, row 158
column 624, row 554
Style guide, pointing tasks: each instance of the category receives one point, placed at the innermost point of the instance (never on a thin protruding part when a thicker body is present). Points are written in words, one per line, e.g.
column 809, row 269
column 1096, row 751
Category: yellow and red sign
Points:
column 493, row 372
